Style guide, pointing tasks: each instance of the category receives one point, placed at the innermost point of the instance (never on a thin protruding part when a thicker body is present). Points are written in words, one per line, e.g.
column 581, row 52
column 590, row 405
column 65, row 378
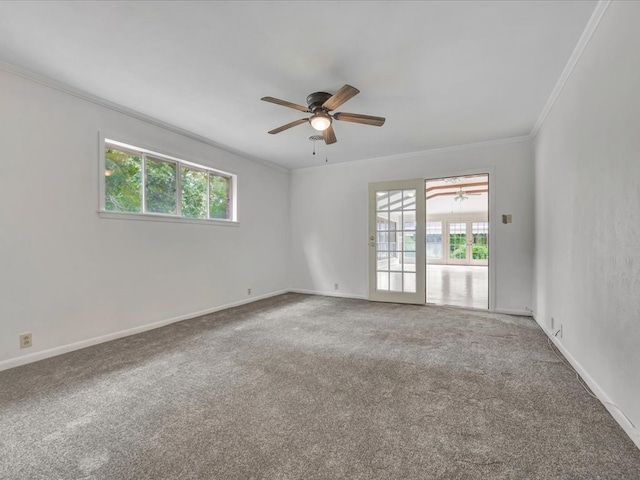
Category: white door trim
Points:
column 493, row 220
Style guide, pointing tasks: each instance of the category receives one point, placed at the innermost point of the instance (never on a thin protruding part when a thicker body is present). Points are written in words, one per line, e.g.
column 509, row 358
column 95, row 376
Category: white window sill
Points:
column 158, row 217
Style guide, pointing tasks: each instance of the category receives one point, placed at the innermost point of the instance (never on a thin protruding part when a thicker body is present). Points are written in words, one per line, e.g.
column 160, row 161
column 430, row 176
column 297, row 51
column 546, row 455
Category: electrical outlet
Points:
column 248, row 291
column 336, row 286
column 25, row 340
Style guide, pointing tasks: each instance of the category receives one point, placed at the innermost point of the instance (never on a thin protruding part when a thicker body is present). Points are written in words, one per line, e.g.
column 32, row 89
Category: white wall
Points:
column 329, row 217
column 588, row 213
column 68, row 276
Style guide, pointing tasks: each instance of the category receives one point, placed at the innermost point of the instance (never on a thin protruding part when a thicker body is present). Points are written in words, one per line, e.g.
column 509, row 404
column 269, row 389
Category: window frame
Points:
column 116, row 141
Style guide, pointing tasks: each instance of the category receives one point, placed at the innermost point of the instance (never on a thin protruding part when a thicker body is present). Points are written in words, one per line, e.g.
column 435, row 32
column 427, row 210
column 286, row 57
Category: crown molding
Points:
column 78, row 93
column 588, row 32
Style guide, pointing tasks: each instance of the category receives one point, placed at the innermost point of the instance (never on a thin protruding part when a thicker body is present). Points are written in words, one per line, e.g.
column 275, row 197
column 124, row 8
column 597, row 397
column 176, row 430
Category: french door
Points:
column 468, row 243
column 397, row 241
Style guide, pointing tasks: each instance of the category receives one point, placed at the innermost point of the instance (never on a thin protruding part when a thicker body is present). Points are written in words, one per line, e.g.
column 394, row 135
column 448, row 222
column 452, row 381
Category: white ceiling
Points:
column 442, row 73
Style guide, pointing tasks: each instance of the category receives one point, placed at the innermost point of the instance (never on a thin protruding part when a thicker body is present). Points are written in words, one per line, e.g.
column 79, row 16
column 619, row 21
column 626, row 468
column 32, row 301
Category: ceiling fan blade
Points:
column 329, row 136
column 284, row 103
column 289, row 125
column 357, row 118
column 341, row 96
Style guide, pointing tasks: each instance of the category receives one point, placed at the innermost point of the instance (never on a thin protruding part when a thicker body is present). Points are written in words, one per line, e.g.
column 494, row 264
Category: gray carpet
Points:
column 304, row 387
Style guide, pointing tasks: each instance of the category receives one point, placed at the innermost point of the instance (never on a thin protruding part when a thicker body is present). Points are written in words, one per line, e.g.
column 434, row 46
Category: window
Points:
column 144, row 182
column 434, row 241
column 480, row 232
column 458, row 240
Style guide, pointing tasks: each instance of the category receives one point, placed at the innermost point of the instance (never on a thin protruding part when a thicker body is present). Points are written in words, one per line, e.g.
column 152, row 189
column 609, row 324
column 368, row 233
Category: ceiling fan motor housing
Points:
column 316, row 99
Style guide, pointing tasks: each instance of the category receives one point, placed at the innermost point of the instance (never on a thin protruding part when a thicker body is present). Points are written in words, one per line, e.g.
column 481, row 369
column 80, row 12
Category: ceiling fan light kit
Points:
column 319, row 104
column 320, row 121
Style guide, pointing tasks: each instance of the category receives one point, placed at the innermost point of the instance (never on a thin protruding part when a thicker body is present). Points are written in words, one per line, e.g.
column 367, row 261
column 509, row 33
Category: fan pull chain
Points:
column 314, row 139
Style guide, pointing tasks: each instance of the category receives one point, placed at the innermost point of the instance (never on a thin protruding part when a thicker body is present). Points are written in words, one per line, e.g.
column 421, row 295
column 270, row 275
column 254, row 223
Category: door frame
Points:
column 492, row 219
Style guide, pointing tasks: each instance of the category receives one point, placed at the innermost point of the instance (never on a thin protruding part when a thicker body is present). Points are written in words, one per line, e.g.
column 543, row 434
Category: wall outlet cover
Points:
column 25, row 340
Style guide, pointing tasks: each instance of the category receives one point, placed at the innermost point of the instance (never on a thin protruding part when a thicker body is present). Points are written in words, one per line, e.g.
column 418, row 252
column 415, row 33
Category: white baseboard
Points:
column 615, row 411
column 328, row 294
column 52, row 352
column 508, row 311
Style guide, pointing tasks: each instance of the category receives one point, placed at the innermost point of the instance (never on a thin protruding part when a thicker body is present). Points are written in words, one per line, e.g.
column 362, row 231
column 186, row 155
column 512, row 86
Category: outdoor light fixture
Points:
column 320, row 121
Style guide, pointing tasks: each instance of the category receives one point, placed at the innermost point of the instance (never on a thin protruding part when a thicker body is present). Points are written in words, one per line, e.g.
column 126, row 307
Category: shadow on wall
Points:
column 320, row 265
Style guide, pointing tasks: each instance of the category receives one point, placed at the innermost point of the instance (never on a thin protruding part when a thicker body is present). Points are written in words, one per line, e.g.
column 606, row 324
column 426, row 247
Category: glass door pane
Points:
column 480, row 242
column 395, row 240
column 395, row 276
column 458, row 242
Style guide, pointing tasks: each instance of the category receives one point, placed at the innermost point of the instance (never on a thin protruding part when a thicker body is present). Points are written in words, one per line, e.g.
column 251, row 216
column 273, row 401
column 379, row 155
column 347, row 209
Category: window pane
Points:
column 384, row 256
column 160, row 186
column 409, row 199
column 409, row 220
column 395, row 282
column 480, row 246
column 458, row 240
column 382, row 264
column 123, row 181
column 395, row 200
column 393, row 241
column 395, row 221
column 383, row 281
column 409, row 262
column 382, row 201
column 409, row 241
column 409, row 284
column 434, row 240
column 194, row 193
column 382, row 221
column 395, row 261
column 218, row 196
column 382, row 242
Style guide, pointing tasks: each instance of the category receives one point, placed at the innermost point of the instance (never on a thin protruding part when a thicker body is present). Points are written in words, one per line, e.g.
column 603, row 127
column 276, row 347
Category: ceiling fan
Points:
column 462, row 195
column 319, row 104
